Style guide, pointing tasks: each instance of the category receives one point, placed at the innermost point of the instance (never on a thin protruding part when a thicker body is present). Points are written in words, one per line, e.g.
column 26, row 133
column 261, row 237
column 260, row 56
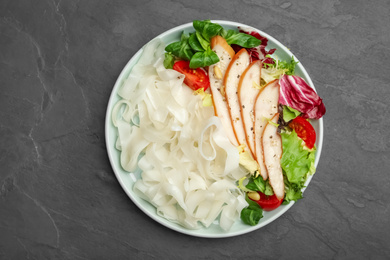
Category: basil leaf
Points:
column 252, row 214
column 229, row 33
column 181, row 49
column 242, row 39
column 205, row 44
column 207, row 29
column 169, row 60
column 203, row 59
column 194, row 43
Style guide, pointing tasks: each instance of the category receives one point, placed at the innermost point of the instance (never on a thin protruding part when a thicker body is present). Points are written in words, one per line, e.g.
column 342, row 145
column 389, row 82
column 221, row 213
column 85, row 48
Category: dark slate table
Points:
column 59, row 198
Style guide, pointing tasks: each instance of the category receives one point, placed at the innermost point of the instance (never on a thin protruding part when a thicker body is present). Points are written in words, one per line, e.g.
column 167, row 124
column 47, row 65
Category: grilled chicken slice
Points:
column 266, row 106
column 248, row 89
column 216, row 74
column 272, row 151
column 232, row 77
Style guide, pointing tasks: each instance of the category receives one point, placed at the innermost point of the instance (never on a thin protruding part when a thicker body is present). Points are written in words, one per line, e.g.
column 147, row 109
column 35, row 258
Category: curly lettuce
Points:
column 297, row 163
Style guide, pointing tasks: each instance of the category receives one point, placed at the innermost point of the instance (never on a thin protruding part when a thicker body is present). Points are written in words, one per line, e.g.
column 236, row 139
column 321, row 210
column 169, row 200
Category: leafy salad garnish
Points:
column 195, row 47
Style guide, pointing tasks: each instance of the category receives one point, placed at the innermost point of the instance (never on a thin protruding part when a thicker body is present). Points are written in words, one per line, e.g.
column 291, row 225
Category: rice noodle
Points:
column 189, row 167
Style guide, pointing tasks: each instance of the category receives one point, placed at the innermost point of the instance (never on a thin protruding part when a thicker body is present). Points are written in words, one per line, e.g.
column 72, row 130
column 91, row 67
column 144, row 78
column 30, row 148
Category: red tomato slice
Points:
column 194, row 78
column 268, row 203
column 304, row 130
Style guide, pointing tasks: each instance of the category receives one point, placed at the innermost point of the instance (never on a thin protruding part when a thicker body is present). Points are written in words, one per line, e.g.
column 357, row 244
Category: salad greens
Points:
column 288, row 67
column 259, row 184
column 297, row 163
column 289, row 113
column 274, row 69
column 195, row 47
column 252, row 214
column 240, row 39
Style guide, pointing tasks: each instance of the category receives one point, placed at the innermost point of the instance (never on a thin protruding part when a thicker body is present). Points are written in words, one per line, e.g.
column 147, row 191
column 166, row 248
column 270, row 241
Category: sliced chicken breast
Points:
column 216, row 75
column 248, row 89
column 266, row 106
column 272, row 151
column 232, row 77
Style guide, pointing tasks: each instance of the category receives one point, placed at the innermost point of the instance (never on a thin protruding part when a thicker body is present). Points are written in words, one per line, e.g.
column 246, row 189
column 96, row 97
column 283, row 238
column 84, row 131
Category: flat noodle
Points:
column 189, row 167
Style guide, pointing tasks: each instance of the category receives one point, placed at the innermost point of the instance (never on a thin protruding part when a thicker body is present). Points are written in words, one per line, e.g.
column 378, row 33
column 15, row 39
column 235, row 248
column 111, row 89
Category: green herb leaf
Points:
column 205, row 44
column 242, row 39
column 259, row 184
column 207, row 29
column 289, row 113
column 169, row 60
column 256, row 184
column 203, row 59
column 194, row 42
column 252, row 214
column 181, row 49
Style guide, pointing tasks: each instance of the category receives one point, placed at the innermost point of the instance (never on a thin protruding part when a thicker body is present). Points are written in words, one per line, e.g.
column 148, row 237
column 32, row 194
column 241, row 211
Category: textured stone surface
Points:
column 59, row 198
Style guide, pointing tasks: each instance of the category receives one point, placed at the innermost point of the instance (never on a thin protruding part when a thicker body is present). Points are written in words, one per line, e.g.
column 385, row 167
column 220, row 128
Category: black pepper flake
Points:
column 238, row 76
column 243, row 106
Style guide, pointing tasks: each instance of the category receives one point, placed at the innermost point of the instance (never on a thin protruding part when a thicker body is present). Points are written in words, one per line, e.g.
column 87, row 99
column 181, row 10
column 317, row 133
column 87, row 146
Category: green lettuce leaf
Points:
column 293, row 192
column 289, row 113
column 296, row 162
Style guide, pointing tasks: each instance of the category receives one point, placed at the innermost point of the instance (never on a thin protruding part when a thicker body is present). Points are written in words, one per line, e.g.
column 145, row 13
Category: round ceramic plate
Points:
column 126, row 180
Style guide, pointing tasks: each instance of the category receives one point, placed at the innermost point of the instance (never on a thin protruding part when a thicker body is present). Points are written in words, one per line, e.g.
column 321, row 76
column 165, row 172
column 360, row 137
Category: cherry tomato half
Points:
column 194, row 78
column 268, row 203
column 304, row 130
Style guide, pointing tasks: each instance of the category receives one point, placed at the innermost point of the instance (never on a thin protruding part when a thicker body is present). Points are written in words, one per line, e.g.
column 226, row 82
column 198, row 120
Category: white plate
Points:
column 214, row 231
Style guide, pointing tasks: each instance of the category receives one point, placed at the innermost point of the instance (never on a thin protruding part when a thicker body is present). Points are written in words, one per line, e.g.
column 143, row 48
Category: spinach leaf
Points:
column 252, row 214
column 207, row 29
column 181, row 49
column 227, row 34
column 194, row 42
column 203, row 59
column 205, row 44
column 242, row 39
